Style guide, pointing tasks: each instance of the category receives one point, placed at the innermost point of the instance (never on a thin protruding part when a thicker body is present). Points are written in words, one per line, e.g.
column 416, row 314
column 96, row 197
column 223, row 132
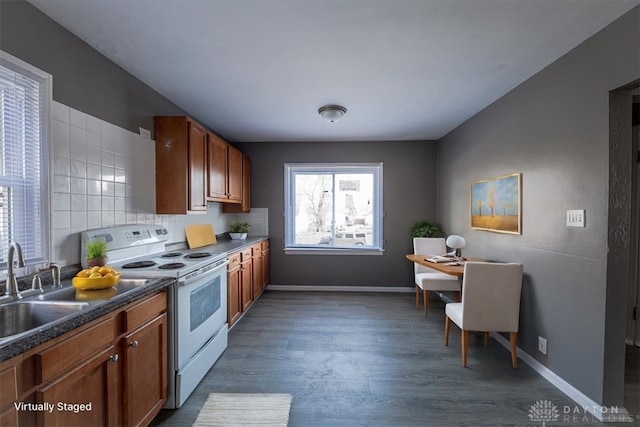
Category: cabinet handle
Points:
column 133, row 344
column 114, row 358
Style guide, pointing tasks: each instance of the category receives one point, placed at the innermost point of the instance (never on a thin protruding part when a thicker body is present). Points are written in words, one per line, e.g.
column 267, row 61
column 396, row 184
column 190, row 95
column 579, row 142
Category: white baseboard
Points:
column 617, row 414
column 401, row 289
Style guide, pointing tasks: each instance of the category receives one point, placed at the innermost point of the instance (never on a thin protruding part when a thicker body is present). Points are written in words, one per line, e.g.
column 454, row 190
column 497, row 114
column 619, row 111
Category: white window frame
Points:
column 41, row 239
column 291, row 169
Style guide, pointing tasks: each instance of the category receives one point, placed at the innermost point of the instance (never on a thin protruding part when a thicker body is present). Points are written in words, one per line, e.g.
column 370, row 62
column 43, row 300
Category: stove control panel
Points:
column 136, row 235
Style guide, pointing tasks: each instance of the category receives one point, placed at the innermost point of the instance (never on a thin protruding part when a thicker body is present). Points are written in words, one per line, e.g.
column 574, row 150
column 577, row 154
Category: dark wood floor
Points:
column 370, row 359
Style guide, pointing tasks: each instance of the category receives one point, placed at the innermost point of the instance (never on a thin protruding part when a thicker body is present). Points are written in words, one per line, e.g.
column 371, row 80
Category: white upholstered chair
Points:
column 490, row 303
column 426, row 278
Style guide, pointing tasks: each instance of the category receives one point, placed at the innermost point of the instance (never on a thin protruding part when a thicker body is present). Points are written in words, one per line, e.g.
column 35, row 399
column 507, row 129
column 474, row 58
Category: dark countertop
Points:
column 229, row 246
column 13, row 346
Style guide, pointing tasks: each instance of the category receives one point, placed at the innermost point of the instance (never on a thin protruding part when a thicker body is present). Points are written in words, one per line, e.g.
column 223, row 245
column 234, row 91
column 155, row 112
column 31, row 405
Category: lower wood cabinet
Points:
column 111, row 371
column 245, row 279
column 234, row 307
column 266, row 273
column 256, row 255
column 145, row 382
column 88, row 395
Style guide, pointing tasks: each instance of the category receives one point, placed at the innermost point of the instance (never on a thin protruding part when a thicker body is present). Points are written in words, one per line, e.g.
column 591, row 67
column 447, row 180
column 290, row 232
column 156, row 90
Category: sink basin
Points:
column 69, row 293
column 21, row 316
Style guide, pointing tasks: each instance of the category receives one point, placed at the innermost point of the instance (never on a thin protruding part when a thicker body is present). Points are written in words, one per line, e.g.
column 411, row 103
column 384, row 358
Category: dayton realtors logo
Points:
column 544, row 411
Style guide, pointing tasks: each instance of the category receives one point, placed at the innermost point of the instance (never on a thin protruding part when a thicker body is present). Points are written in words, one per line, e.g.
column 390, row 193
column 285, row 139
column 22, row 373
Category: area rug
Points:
column 244, row 409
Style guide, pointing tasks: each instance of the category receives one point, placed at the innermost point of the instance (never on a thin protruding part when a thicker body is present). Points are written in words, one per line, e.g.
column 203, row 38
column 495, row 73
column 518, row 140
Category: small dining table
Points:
column 455, row 267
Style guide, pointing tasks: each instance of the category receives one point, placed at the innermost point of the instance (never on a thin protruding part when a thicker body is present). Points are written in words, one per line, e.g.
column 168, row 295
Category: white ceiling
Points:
column 405, row 69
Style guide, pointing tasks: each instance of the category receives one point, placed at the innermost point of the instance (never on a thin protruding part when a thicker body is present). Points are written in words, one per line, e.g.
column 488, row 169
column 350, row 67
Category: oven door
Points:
column 201, row 303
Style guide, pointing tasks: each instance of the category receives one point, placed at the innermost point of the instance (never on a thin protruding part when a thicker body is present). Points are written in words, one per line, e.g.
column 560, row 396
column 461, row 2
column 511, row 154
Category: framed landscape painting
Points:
column 495, row 204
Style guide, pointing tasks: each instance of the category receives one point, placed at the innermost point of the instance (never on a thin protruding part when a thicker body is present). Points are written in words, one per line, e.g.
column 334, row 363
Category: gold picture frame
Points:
column 496, row 204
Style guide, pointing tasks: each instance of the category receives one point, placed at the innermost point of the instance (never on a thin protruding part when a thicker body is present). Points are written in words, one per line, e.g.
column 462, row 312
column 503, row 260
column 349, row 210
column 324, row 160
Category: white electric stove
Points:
column 197, row 312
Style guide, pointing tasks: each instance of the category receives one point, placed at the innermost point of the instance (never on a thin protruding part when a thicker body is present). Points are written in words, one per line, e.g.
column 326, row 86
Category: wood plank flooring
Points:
column 371, row 359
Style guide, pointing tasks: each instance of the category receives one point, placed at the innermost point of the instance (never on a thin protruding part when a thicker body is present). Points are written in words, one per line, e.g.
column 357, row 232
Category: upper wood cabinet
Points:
column 234, row 157
column 245, row 199
column 224, row 171
column 181, row 165
column 217, row 168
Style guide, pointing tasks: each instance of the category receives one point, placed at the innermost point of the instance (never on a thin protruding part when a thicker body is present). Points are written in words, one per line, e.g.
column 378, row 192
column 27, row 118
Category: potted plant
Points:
column 238, row 230
column 96, row 253
column 426, row 229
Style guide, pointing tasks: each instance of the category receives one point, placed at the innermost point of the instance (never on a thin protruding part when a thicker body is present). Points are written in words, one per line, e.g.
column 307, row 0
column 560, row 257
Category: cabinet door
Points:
column 234, row 309
column 94, row 382
column 172, row 164
column 257, row 270
column 247, row 290
column 246, row 184
column 145, row 362
column 234, row 160
column 217, row 169
column 265, row 264
column 197, row 167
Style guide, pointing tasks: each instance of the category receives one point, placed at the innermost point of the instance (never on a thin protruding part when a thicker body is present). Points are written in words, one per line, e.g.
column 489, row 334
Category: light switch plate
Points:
column 575, row 218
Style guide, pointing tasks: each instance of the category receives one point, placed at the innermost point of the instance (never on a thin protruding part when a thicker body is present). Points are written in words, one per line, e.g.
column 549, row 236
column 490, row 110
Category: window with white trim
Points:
column 333, row 207
column 25, row 97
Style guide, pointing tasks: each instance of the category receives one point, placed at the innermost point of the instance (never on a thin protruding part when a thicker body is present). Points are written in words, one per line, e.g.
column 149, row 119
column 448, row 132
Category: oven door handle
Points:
column 197, row 276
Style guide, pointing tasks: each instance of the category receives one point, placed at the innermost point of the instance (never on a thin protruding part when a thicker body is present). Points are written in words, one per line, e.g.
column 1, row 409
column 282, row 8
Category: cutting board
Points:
column 199, row 235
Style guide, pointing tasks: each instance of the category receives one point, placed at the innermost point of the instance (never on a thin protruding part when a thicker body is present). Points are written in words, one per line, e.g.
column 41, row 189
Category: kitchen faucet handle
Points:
column 55, row 273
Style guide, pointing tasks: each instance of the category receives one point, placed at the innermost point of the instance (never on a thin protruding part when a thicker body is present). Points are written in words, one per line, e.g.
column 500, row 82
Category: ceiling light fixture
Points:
column 332, row 113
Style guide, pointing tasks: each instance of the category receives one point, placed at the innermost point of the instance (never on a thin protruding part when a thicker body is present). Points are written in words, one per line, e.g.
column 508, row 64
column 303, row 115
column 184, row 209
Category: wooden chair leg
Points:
column 417, row 296
column 446, row 331
column 486, row 338
column 425, row 296
column 513, row 338
column 464, row 341
column 458, row 296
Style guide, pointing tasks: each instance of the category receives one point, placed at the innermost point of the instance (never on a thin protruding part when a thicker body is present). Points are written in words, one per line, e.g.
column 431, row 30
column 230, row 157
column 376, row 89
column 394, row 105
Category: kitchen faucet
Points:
column 55, row 274
column 11, row 288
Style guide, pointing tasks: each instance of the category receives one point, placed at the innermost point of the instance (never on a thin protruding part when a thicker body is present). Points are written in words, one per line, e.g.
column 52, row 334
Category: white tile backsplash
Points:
column 103, row 175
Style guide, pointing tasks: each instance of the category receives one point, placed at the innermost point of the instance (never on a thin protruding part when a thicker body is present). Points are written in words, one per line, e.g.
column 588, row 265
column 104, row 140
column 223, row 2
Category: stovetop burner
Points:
column 198, row 255
column 172, row 266
column 171, row 255
column 139, row 264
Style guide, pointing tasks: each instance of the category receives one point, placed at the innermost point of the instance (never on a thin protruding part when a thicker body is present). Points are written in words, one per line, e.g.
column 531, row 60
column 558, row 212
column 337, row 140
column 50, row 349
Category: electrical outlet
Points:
column 542, row 345
column 575, row 218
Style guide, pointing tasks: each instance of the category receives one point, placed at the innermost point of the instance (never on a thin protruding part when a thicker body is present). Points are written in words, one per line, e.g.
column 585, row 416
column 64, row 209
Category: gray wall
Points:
column 409, row 171
column 554, row 129
column 82, row 77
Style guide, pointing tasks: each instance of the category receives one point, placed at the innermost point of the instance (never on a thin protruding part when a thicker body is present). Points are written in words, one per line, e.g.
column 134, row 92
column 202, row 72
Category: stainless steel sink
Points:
column 21, row 316
column 69, row 293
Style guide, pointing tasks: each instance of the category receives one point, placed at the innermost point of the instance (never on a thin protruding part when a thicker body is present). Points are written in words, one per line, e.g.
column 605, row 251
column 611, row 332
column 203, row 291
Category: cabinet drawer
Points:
column 256, row 250
column 141, row 313
column 71, row 352
column 246, row 254
column 234, row 261
column 265, row 245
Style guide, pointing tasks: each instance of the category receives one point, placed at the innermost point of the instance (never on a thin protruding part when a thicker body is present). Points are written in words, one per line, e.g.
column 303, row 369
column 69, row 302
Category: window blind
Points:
column 23, row 171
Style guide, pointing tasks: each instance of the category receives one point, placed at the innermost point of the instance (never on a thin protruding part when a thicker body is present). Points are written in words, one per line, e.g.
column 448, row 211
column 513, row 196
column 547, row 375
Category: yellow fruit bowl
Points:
column 95, row 294
column 95, row 283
